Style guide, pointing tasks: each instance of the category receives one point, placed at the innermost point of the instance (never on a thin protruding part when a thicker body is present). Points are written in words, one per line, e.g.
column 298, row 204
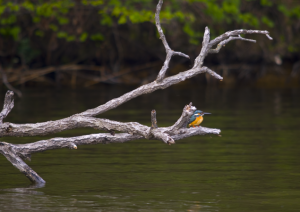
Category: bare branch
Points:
column 75, row 121
column 153, row 119
column 148, row 88
column 228, row 34
column 153, row 125
column 212, row 73
column 6, row 83
column 14, row 153
column 269, row 37
column 168, row 135
column 82, row 120
column 7, row 106
column 133, row 128
column 224, row 42
column 169, row 51
column 181, row 54
column 161, row 135
column 73, row 142
column 205, row 44
column 182, row 122
column 7, row 150
column 159, row 29
column 25, row 150
column 184, row 133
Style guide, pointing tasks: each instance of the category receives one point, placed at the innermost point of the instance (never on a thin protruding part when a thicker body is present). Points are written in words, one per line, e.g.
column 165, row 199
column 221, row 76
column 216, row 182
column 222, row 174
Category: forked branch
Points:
column 169, row 51
column 128, row 131
column 15, row 153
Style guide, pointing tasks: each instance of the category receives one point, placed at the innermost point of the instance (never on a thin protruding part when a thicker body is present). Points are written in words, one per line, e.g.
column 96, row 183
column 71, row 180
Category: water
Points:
column 254, row 166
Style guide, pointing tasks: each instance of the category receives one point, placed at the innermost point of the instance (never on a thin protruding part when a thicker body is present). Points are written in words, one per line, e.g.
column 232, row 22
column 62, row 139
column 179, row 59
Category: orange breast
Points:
column 197, row 121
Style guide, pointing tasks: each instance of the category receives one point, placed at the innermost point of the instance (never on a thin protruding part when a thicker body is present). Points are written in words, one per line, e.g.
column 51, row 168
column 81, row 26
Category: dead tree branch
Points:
column 7, row 106
column 169, row 51
column 15, row 153
column 130, row 130
column 226, row 35
column 224, row 42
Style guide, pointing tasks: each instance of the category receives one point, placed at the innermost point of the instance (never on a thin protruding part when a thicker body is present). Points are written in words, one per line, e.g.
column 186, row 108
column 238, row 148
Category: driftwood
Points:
column 15, row 153
column 71, row 69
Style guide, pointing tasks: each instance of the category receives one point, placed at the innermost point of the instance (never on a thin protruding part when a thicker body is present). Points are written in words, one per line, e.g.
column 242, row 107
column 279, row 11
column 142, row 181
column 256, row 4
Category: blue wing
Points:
column 193, row 118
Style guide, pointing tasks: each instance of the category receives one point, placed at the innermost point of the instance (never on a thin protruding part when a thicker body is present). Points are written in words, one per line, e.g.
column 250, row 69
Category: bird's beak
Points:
column 204, row 113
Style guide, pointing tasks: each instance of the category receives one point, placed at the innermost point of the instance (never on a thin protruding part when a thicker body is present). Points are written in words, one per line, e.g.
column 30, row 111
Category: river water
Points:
column 254, row 166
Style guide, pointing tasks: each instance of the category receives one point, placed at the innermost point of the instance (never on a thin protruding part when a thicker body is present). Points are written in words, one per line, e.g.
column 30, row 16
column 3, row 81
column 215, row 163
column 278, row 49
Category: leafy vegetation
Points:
column 48, row 32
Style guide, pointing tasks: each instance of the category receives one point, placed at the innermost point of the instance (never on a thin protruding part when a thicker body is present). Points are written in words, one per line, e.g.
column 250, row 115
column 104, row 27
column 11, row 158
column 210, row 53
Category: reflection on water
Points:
column 254, row 166
column 30, row 189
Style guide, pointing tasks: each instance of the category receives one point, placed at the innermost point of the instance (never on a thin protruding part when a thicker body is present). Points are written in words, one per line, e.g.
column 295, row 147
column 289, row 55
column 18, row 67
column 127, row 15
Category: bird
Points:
column 197, row 118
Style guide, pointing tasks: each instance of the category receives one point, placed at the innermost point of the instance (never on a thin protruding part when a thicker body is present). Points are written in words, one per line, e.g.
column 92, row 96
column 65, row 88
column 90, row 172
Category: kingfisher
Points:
column 197, row 118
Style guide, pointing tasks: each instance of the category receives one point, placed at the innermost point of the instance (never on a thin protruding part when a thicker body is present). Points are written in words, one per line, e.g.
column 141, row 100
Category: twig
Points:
column 7, row 106
column 224, row 42
column 199, row 60
column 226, row 35
column 212, row 73
column 153, row 119
column 169, row 51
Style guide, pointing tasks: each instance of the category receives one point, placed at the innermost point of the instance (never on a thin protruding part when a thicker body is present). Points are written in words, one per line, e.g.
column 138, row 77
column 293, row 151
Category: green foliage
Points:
column 26, row 51
column 97, row 37
column 28, row 6
column 290, row 12
column 194, row 36
column 39, row 33
column 36, row 19
column 134, row 12
column 53, row 27
column 65, row 35
column 106, row 19
column 266, row 3
column 249, row 19
column 2, row 9
column 62, row 34
column 92, row 2
column 10, row 32
column 293, row 48
column 91, row 20
column 9, row 20
column 267, row 21
column 62, row 20
column 83, row 36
